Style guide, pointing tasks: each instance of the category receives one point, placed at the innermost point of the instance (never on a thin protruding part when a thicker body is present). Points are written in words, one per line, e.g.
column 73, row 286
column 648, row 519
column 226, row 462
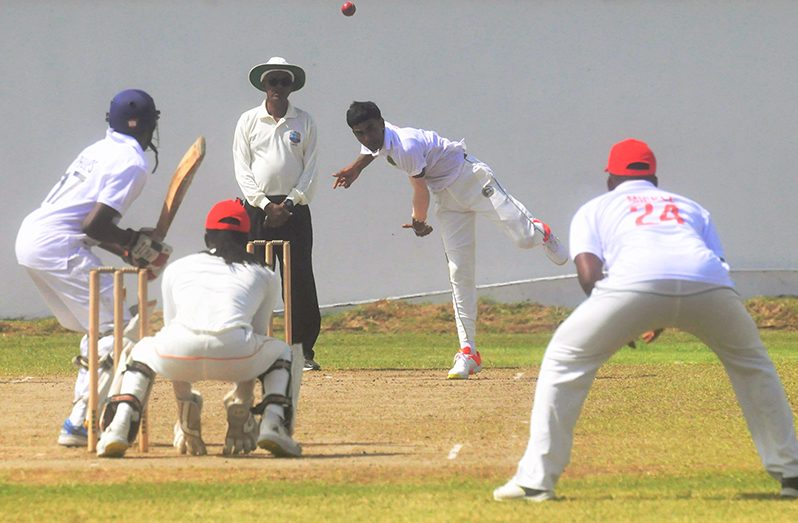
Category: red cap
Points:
column 232, row 212
column 625, row 154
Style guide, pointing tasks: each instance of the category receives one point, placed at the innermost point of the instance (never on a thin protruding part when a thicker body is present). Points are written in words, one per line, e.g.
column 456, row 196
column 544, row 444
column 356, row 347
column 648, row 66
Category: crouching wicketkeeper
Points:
column 215, row 305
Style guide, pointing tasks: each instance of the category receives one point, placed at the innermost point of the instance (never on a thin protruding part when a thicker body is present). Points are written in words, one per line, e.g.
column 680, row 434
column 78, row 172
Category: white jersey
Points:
column 112, row 171
column 275, row 157
column 644, row 234
column 415, row 150
column 204, row 294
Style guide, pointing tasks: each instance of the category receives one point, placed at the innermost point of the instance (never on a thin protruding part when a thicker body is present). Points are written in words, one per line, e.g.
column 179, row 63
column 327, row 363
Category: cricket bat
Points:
column 181, row 180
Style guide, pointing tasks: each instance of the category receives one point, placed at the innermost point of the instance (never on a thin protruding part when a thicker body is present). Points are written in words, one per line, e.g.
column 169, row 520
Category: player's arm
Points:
column 100, row 225
column 135, row 247
column 589, row 270
column 306, row 183
column 346, row 176
column 420, row 206
column 242, row 161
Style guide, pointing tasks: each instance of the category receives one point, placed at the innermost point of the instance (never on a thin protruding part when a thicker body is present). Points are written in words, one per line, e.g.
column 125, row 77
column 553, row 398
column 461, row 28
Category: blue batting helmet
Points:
column 132, row 112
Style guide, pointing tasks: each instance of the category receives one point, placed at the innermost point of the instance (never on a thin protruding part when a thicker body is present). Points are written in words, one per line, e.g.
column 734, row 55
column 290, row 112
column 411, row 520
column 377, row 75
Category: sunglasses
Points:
column 285, row 82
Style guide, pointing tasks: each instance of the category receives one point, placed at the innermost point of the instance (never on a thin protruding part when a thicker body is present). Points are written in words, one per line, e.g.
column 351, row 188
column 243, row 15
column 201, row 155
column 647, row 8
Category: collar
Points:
column 263, row 114
column 635, row 185
column 123, row 138
column 389, row 140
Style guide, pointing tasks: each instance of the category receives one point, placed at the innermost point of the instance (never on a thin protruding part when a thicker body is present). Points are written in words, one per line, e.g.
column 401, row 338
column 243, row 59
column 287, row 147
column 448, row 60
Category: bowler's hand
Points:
column 277, row 214
column 421, row 228
column 345, row 177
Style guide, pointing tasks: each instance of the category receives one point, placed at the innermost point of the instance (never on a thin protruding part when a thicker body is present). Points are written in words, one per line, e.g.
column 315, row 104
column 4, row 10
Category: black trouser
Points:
column 304, row 302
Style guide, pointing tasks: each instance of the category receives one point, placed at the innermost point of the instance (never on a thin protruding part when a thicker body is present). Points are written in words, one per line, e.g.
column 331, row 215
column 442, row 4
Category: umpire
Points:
column 274, row 154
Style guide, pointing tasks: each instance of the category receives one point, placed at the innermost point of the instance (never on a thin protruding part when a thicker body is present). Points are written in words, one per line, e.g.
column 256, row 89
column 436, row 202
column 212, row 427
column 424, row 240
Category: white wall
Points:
column 539, row 89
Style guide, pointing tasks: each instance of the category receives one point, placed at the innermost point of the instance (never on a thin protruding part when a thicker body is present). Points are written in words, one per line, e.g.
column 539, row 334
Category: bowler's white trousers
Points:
column 476, row 192
column 609, row 319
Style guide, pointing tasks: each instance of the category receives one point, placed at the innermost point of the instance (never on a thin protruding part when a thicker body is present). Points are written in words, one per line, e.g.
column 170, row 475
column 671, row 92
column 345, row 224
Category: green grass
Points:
column 38, row 355
column 721, row 497
column 685, row 462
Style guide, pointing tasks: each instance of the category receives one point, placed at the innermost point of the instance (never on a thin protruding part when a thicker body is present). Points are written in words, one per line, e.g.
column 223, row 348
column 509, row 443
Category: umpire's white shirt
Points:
column 415, row 150
column 111, row 171
column 644, row 234
column 275, row 157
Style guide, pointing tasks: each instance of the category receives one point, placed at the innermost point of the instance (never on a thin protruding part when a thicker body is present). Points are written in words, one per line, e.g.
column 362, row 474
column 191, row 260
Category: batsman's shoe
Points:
column 555, row 250
column 511, row 491
column 242, row 430
column 274, row 437
column 73, row 436
column 465, row 364
column 789, row 487
column 112, row 445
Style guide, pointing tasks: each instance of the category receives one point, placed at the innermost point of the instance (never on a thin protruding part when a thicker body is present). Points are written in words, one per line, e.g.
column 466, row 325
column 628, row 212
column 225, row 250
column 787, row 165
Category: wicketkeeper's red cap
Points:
column 631, row 158
column 228, row 215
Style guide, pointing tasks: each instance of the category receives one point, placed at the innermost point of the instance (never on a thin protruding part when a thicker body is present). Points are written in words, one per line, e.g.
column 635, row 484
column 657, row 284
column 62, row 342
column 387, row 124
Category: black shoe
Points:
column 311, row 365
column 789, row 487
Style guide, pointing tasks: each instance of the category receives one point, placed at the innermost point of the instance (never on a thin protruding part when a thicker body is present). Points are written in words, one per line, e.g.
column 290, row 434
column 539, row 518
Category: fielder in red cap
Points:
column 216, row 304
column 648, row 259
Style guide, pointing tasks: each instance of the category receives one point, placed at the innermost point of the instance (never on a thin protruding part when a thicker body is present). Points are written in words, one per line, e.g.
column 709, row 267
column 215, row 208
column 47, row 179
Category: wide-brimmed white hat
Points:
column 276, row 63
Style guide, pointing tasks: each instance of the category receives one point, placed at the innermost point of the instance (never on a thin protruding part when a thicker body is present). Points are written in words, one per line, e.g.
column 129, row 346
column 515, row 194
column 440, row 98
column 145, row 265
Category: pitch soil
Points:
column 355, row 426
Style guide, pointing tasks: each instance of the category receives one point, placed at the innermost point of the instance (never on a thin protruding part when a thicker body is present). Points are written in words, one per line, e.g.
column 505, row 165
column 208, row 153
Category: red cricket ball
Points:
column 348, row 8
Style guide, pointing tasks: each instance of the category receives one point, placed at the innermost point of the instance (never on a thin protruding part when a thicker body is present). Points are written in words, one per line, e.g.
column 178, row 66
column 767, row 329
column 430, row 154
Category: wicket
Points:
column 94, row 338
column 269, row 258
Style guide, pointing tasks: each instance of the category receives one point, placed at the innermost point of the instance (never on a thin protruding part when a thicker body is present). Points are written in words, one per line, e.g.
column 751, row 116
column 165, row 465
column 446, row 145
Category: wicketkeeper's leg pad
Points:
column 136, row 386
column 109, row 413
column 277, row 391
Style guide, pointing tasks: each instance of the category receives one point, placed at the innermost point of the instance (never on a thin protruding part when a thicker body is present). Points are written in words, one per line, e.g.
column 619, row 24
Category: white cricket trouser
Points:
column 181, row 354
column 476, row 192
column 66, row 293
column 607, row 321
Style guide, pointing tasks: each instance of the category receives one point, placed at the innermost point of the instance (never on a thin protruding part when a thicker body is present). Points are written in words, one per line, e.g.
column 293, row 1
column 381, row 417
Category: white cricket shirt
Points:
column 203, row 293
column 112, row 171
column 273, row 157
column 413, row 150
column 643, row 233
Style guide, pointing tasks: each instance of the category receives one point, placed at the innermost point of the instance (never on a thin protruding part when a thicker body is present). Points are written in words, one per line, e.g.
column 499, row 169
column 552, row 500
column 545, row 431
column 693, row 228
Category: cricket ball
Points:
column 348, row 8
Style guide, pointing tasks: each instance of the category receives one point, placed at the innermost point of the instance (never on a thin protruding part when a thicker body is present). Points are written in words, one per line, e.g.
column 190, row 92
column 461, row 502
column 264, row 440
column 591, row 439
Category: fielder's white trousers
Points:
column 181, row 354
column 608, row 320
column 66, row 293
column 476, row 192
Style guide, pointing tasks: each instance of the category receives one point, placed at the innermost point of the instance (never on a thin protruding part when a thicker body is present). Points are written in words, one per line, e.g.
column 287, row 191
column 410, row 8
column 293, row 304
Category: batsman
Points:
column 82, row 210
column 216, row 304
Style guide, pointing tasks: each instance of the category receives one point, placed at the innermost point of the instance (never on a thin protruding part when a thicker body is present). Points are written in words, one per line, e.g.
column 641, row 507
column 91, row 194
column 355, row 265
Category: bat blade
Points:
column 181, row 180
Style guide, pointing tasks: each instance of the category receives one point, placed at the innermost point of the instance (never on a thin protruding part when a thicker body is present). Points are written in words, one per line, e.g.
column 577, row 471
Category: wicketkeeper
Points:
column 216, row 305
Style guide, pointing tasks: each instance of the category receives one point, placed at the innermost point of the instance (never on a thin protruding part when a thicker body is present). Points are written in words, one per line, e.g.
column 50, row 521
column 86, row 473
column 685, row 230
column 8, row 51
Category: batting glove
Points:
column 145, row 252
